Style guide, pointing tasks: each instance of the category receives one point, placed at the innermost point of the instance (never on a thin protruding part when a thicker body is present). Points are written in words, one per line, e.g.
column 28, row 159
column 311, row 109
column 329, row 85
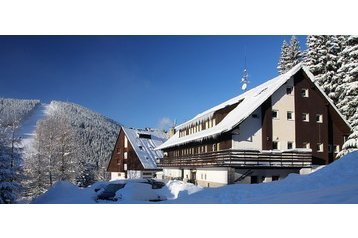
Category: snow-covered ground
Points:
column 27, row 129
column 335, row 183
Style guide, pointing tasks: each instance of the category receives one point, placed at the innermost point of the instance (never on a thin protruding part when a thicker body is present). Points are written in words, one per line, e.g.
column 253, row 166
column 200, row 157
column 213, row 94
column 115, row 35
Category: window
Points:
column 289, row 115
column 289, row 145
column 306, row 145
column 319, row 118
column 125, row 155
column 274, row 114
column 125, row 166
column 206, row 148
column 319, row 147
column 275, row 145
column 305, row 117
column 205, row 176
column 289, row 90
column 218, row 146
column 206, row 125
column 214, row 122
column 336, row 148
column 125, row 142
column 304, row 92
column 214, row 147
column 144, row 136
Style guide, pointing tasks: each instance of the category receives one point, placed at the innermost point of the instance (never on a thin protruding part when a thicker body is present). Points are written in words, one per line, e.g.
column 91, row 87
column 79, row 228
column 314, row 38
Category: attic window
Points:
column 144, row 136
column 289, row 90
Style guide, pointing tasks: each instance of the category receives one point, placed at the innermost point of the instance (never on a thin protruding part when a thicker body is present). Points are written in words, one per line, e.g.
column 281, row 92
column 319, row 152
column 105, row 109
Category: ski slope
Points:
column 27, row 129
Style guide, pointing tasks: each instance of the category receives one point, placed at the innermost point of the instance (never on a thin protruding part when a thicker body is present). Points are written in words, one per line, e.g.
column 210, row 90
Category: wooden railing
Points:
column 241, row 158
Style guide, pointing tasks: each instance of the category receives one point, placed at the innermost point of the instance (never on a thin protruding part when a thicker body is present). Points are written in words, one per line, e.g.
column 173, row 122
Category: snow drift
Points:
column 335, row 183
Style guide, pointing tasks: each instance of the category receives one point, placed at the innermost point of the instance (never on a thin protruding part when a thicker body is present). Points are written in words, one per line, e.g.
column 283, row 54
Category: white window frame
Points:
column 293, row 145
column 292, row 115
column 125, row 155
column 307, row 117
column 277, row 115
column 307, row 145
column 278, row 145
column 125, row 167
column 320, row 118
column 306, row 93
column 320, row 147
column 125, row 142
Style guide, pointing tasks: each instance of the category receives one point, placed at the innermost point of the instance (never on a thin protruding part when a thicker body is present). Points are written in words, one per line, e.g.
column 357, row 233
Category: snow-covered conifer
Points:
column 291, row 55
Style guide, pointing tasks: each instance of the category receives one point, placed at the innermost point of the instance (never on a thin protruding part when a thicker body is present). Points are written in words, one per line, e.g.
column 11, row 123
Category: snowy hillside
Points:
column 98, row 133
column 336, row 183
column 15, row 108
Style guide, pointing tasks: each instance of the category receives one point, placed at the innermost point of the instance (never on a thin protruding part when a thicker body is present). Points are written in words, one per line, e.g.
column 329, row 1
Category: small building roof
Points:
column 143, row 142
column 248, row 102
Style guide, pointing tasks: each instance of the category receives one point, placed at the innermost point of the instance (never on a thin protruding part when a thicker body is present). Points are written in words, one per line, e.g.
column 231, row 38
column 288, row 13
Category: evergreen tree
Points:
column 348, row 91
column 322, row 59
column 283, row 61
column 348, row 88
column 291, row 55
column 350, row 145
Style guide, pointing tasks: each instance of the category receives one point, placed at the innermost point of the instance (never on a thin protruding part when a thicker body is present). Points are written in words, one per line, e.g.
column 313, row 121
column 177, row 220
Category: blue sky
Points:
column 136, row 80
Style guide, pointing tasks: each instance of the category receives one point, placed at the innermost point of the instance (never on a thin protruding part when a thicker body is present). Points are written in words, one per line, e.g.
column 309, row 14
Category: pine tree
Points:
column 295, row 54
column 283, row 61
column 291, row 55
column 350, row 145
column 322, row 59
column 348, row 88
column 348, row 91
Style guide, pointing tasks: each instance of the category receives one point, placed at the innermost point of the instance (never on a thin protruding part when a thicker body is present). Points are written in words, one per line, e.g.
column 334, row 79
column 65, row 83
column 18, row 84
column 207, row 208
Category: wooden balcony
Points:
column 241, row 158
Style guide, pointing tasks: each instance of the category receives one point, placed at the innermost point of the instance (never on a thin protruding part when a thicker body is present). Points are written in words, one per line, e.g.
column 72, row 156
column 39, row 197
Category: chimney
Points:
column 171, row 131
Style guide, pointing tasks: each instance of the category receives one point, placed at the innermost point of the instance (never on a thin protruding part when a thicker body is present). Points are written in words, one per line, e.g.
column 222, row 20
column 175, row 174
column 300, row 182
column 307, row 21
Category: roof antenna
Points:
column 245, row 76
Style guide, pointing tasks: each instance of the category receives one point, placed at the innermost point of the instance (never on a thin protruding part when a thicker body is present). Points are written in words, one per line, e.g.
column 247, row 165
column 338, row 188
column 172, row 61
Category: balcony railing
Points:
column 241, row 158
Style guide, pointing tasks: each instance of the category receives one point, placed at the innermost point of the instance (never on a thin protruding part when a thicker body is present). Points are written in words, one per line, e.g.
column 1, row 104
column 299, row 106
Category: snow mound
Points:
column 179, row 188
column 140, row 192
column 64, row 192
column 335, row 183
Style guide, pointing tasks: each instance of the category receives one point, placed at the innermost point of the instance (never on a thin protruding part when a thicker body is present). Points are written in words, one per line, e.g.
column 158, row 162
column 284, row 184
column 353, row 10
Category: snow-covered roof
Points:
column 144, row 142
column 248, row 103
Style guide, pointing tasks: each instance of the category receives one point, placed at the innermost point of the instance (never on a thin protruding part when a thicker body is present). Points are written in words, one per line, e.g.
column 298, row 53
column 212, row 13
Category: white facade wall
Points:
column 212, row 177
column 117, row 175
column 249, row 134
column 172, row 173
column 283, row 130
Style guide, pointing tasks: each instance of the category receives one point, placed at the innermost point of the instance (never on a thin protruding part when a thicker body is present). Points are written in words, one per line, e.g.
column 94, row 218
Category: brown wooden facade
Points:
column 118, row 160
column 330, row 132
